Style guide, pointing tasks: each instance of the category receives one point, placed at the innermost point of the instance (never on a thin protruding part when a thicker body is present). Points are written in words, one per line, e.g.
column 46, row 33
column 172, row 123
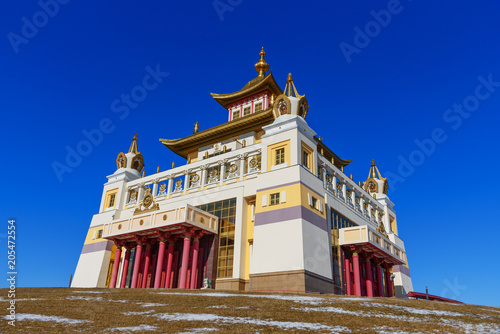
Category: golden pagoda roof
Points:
column 252, row 87
column 256, row 85
column 253, row 122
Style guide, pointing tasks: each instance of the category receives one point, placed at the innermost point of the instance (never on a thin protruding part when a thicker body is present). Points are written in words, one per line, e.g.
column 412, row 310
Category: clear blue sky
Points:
column 370, row 97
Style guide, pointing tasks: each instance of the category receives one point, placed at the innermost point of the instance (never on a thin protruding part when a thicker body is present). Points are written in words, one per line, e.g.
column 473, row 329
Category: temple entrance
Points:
column 172, row 249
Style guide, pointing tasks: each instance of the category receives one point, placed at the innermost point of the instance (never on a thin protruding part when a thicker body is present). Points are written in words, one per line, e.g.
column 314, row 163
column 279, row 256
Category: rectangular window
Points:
column 275, row 199
column 314, row 202
column 236, row 114
column 247, row 111
column 258, row 107
column 226, row 211
column 280, row 156
column 99, row 234
column 111, row 200
column 305, row 159
column 339, row 221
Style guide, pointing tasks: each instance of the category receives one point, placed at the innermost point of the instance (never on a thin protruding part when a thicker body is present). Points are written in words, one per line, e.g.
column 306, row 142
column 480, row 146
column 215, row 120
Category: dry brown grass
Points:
column 238, row 313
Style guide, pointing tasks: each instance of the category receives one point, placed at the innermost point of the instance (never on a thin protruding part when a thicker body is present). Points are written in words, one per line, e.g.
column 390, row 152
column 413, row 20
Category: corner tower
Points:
column 97, row 256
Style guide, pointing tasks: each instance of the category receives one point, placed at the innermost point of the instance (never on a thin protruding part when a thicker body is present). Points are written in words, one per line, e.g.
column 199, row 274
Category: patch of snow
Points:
column 356, row 299
column 227, row 307
column 88, row 291
column 487, row 309
column 51, row 318
column 472, row 328
column 118, row 301
column 199, row 330
column 241, row 320
column 138, row 313
column 297, row 299
column 389, row 330
column 329, row 309
column 135, row 329
column 151, row 304
column 415, row 310
column 339, row 310
column 30, row 299
column 95, row 299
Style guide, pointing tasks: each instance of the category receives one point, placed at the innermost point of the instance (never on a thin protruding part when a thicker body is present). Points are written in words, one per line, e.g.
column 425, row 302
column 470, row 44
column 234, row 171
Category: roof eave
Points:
column 268, row 82
column 182, row 146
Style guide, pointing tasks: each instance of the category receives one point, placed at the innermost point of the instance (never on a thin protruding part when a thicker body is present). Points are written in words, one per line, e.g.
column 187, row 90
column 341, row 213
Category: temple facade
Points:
column 261, row 204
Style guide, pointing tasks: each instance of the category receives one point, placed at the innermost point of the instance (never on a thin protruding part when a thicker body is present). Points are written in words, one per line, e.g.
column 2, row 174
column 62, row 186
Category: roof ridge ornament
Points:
column 133, row 146
column 289, row 86
column 374, row 172
column 262, row 66
column 375, row 183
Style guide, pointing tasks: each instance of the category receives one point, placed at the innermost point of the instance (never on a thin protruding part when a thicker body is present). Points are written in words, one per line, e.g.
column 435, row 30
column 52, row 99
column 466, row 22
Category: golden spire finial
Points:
column 374, row 172
column 133, row 146
column 262, row 67
column 196, row 127
column 290, row 87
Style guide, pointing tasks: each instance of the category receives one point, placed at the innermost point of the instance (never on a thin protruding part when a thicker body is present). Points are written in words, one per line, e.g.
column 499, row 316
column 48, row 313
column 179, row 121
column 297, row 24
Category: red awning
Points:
column 420, row 295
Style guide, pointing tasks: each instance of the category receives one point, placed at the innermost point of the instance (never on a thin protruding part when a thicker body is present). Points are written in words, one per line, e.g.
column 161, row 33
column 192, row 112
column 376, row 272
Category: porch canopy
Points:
column 150, row 225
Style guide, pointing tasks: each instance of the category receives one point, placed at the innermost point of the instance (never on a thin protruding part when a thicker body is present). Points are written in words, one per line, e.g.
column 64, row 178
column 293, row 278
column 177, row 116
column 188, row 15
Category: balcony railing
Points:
column 347, row 192
column 372, row 242
column 234, row 166
column 165, row 220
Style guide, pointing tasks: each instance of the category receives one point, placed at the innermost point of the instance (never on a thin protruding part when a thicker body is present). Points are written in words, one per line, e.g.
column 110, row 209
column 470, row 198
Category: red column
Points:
column 347, row 265
column 388, row 282
column 125, row 268
column 185, row 261
column 118, row 254
column 369, row 278
column 170, row 257
column 379, row 281
column 357, row 278
column 137, row 264
column 146, row 267
column 159, row 263
column 194, row 263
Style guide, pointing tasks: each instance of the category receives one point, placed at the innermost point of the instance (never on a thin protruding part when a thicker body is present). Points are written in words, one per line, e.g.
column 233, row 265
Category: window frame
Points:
column 112, row 199
column 247, row 111
column 274, row 199
column 279, row 156
column 236, row 112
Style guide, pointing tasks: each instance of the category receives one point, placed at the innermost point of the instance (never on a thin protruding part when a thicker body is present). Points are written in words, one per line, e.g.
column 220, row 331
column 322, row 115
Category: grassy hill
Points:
column 62, row 310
